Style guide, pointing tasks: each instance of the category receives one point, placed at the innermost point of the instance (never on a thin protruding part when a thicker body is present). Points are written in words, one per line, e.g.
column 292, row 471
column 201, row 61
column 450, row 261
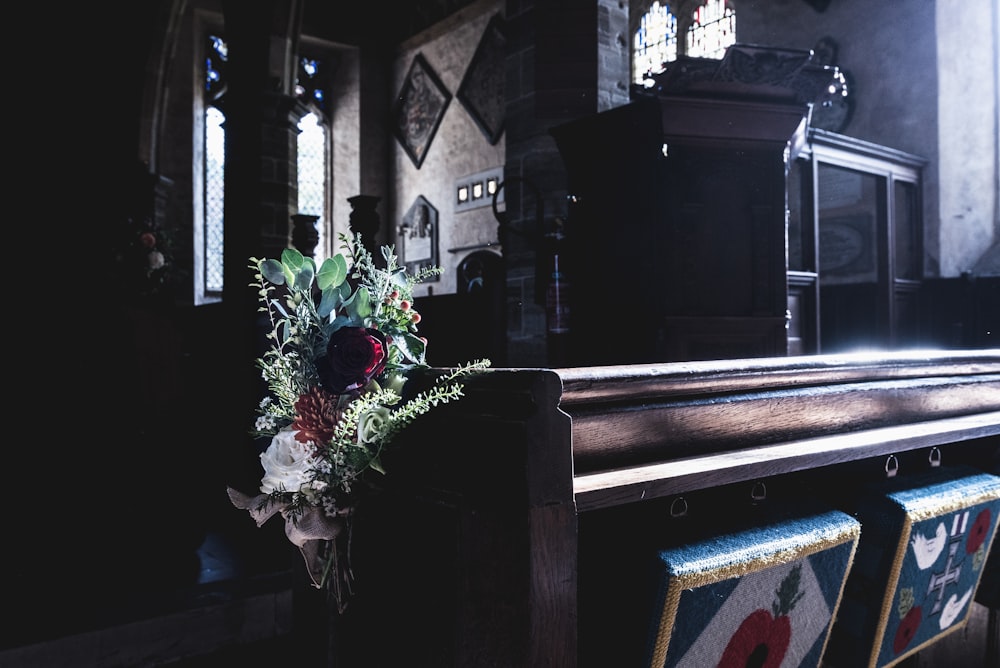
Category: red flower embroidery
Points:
column 760, row 642
column 907, row 629
column 977, row 534
column 763, row 637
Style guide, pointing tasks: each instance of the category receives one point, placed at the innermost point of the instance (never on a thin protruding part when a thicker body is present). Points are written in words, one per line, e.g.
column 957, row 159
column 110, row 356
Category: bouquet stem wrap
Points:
column 312, row 531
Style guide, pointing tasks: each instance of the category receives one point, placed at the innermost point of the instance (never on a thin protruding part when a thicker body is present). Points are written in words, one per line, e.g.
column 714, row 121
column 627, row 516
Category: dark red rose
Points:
column 977, row 534
column 907, row 629
column 147, row 239
column 353, row 357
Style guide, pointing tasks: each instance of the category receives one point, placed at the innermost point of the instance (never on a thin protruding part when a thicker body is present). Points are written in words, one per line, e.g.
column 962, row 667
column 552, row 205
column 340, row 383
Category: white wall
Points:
column 967, row 106
column 459, row 148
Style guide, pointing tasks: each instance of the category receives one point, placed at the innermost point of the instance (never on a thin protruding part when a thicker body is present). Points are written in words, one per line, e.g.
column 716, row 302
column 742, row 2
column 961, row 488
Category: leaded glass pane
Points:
column 215, row 158
column 312, row 173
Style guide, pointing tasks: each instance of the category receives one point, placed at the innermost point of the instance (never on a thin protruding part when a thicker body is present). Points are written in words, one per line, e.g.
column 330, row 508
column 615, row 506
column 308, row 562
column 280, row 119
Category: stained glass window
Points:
column 708, row 31
column 655, row 42
column 712, row 31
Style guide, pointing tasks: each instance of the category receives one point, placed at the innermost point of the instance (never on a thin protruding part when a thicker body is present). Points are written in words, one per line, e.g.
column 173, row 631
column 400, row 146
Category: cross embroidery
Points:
column 951, row 571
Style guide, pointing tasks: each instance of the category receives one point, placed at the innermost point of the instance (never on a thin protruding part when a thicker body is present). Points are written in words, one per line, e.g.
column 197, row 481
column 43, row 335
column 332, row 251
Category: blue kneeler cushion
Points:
column 763, row 595
column 924, row 543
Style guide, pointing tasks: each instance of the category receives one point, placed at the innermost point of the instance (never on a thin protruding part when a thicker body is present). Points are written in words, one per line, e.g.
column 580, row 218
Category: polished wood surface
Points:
column 474, row 545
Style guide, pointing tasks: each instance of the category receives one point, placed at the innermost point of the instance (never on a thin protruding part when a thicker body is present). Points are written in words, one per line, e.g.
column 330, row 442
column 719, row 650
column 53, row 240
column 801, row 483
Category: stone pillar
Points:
column 365, row 221
column 260, row 198
column 565, row 59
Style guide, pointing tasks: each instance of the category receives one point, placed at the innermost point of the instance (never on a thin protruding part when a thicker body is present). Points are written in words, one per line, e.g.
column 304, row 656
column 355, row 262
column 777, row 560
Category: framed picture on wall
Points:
column 417, row 237
column 482, row 88
column 419, row 108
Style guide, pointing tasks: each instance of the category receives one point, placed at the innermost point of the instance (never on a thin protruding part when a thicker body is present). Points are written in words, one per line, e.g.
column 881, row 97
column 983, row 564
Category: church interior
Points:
column 649, row 236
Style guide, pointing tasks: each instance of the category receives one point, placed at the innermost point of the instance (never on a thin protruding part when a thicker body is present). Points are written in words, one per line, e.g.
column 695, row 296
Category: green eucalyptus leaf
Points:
column 284, row 330
column 291, row 262
column 273, row 271
column 332, row 273
column 292, row 259
column 338, row 322
column 330, row 301
column 359, row 306
column 304, row 276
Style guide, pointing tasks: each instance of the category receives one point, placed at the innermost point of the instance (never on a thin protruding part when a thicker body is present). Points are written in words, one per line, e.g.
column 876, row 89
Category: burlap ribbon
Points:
column 307, row 531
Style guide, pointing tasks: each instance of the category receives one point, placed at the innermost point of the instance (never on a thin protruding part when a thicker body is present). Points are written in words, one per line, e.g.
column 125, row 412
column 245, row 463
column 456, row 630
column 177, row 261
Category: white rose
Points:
column 287, row 464
column 372, row 423
column 156, row 259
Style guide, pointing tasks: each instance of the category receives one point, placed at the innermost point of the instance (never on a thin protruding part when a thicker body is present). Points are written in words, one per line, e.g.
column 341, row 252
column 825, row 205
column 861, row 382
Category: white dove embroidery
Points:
column 927, row 550
column 951, row 609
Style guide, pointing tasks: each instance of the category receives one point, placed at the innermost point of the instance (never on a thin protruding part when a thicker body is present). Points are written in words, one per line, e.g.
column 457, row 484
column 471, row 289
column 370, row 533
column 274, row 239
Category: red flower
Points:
column 907, row 629
column 977, row 534
column 147, row 239
column 354, row 355
column 316, row 417
column 761, row 641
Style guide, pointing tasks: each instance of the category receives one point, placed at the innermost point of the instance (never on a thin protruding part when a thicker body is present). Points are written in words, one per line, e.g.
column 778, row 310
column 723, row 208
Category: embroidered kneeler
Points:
column 924, row 544
column 764, row 595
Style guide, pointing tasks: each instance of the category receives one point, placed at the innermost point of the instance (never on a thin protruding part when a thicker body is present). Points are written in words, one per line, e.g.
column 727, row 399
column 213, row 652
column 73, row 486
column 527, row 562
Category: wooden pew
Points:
column 471, row 552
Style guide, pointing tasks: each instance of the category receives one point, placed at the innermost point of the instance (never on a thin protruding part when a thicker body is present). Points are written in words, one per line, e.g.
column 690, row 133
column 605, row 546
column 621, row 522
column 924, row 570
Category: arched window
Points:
column 208, row 243
column 313, row 163
column 708, row 28
column 655, row 42
column 312, row 173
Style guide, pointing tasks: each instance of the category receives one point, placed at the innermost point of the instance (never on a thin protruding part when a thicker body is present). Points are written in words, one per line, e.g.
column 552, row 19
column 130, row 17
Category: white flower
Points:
column 156, row 259
column 372, row 424
column 287, row 465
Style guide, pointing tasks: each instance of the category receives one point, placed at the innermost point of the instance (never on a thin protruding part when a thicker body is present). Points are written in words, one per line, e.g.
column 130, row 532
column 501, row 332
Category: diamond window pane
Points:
column 312, row 179
column 215, row 158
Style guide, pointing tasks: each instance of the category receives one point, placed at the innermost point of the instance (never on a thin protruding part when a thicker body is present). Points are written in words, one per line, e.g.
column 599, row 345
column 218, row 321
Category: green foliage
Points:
column 304, row 307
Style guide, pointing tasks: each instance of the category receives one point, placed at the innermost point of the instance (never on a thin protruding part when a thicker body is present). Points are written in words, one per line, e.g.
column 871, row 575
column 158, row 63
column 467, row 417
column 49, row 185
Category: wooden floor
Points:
column 227, row 614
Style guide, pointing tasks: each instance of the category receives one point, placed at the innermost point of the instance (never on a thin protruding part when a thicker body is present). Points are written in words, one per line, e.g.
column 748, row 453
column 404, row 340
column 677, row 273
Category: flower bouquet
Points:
column 144, row 259
column 343, row 340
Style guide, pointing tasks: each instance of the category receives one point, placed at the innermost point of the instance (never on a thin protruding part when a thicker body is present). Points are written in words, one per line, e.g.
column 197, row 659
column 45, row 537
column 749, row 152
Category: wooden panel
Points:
column 468, row 557
column 628, row 485
column 713, row 338
column 471, row 555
